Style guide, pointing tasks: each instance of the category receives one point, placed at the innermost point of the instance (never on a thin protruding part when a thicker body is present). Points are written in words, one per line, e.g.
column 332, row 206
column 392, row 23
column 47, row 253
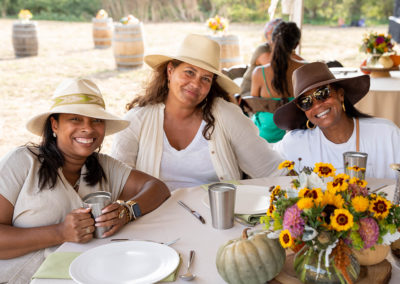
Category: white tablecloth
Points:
column 171, row 221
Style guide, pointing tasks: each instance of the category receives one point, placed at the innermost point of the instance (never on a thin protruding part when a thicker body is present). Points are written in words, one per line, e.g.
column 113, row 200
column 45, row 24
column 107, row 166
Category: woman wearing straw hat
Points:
column 41, row 187
column 274, row 81
column 324, row 123
column 184, row 130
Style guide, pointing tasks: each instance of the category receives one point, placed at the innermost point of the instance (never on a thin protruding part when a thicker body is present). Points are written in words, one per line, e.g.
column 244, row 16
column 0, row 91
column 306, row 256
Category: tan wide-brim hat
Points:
column 78, row 96
column 314, row 75
column 200, row 51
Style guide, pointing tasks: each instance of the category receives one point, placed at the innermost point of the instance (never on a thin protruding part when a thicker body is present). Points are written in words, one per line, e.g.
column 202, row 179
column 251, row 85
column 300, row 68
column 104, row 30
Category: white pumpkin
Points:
column 250, row 260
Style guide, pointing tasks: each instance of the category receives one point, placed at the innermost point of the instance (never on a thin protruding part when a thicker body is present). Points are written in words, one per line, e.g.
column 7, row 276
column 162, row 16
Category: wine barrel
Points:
column 128, row 45
column 230, row 51
column 24, row 37
column 102, row 32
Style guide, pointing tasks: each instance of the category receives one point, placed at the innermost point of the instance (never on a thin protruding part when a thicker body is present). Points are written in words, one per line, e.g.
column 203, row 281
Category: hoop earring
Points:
column 343, row 107
column 308, row 125
column 54, row 135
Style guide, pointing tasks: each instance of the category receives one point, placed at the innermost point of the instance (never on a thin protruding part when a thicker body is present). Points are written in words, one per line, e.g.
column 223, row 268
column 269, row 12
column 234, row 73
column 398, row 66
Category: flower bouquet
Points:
column 130, row 19
column 24, row 15
column 379, row 48
column 323, row 216
column 101, row 14
column 377, row 43
column 217, row 24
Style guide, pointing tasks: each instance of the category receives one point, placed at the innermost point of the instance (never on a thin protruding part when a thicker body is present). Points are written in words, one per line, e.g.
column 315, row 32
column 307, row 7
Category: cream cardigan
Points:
column 235, row 145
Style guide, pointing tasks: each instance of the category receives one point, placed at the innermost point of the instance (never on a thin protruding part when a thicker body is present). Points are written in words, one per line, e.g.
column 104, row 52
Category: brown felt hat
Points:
column 310, row 76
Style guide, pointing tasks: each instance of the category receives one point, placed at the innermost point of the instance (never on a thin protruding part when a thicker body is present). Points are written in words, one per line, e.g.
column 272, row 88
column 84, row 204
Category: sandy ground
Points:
column 66, row 50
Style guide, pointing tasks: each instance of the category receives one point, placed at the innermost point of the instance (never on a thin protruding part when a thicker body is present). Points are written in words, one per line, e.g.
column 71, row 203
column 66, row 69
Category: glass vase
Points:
column 310, row 266
column 373, row 60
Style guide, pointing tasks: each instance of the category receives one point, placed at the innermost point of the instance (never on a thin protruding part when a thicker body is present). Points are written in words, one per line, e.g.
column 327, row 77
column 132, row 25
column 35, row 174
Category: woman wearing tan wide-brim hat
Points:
column 42, row 186
column 184, row 130
column 324, row 123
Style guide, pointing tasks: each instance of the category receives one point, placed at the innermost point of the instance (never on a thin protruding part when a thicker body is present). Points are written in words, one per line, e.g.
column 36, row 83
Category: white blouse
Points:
column 188, row 167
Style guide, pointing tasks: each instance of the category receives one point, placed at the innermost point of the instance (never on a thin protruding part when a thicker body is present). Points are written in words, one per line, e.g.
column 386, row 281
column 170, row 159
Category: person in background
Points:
column 261, row 56
column 184, row 130
column 274, row 80
column 324, row 123
column 42, row 186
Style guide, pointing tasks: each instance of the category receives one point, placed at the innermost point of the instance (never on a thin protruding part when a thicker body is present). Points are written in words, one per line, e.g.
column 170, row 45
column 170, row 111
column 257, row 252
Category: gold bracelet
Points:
column 126, row 209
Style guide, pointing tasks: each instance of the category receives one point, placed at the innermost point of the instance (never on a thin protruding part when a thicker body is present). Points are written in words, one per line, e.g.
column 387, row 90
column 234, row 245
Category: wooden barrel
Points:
column 102, row 32
column 128, row 45
column 24, row 37
column 230, row 51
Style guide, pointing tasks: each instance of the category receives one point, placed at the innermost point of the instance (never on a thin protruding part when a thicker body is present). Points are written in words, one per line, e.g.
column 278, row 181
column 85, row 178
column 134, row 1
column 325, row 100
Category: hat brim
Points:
column 289, row 116
column 113, row 123
column 155, row 60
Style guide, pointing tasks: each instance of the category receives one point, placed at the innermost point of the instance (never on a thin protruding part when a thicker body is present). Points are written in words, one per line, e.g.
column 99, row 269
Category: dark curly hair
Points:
column 286, row 37
column 156, row 91
column 51, row 159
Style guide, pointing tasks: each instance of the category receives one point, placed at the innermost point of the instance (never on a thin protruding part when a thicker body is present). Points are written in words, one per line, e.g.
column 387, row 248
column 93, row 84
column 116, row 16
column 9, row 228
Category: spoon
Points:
column 188, row 276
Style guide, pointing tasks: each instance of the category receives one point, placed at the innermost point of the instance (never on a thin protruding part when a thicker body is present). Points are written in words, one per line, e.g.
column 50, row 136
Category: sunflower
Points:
column 356, row 169
column 285, row 238
column 315, row 193
column 332, row 199
column 271, row 210
column 305, row 203
column 339, row 183
column 286, row 164
column 341, row 220
column 324, row 170
column 360, row 203
column 359, row 182
column 380, row 207
column 276, row 190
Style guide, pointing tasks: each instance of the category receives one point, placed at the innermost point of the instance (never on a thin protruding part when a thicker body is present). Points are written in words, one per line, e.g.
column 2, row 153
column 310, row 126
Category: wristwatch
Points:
column 134, row 208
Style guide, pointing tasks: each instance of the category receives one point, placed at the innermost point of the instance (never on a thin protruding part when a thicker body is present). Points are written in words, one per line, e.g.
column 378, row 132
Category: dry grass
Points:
column 66, row 50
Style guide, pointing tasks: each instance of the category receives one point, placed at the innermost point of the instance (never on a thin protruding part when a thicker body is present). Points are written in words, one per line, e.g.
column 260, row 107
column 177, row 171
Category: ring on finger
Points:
column 121, row 214
column 87, row 230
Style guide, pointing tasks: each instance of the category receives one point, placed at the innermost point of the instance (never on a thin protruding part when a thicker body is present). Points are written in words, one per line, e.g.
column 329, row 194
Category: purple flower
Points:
column 293, row 222
column 369, row 232
column 380, row 40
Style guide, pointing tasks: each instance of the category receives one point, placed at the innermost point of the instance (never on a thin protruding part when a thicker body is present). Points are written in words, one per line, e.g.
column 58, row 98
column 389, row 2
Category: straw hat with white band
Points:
column 78, row 96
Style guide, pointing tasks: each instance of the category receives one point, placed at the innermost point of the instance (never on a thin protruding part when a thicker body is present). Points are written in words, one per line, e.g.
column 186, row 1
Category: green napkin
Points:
column 205, row 186
column 56, row 266
column 249, row 219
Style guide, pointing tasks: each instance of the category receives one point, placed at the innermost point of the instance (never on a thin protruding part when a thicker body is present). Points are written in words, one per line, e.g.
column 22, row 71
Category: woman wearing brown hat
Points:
column 274, row 81
column 41, row 187
column 324, row 123
column 184, row 130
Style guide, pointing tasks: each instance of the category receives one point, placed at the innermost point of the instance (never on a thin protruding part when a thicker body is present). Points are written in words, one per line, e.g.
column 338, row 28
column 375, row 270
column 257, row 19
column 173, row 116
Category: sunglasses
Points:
column 306, row 102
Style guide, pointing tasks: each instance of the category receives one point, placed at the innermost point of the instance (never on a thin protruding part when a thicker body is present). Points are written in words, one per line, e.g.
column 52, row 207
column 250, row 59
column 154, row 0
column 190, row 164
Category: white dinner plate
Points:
column 124, row 262
column 250, row 199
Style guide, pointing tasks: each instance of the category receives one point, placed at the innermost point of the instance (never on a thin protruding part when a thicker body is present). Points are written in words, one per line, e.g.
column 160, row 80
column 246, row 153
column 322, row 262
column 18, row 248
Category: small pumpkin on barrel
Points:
column 252, row 259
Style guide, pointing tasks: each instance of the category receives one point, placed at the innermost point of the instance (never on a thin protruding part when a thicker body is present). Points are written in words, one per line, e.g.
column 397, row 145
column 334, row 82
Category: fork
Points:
column 162, row 243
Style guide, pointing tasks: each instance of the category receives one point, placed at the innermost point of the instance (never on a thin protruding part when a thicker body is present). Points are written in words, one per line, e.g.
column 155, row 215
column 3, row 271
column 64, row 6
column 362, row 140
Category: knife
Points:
column 194, row 213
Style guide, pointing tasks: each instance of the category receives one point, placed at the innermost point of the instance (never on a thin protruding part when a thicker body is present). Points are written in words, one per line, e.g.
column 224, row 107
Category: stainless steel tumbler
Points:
column 97, row 201
column 355, row 164
column 222, row 204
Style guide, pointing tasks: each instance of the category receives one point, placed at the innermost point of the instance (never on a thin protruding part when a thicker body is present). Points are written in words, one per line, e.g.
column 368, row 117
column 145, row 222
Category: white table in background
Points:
column 171, row 221
column 383, row 98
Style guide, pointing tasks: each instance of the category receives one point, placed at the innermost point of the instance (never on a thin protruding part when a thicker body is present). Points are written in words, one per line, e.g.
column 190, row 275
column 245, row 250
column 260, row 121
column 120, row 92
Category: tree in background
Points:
column 315, row 11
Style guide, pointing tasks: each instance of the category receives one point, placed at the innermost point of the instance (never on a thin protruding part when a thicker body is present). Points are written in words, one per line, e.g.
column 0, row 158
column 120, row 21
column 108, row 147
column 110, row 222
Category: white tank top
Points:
column 188, row 167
